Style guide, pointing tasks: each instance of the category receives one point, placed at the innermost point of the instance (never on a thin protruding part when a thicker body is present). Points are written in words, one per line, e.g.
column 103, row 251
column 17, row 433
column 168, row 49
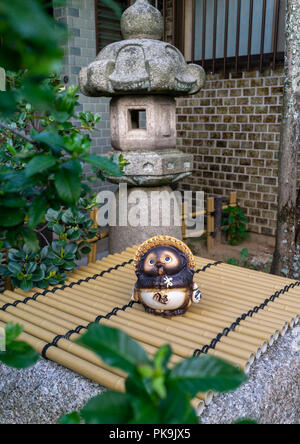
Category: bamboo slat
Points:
column 228, row 293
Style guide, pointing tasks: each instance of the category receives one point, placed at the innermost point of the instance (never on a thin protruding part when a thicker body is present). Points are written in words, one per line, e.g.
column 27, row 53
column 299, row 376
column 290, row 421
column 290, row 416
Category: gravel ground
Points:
column 41, row 394
column 272, row 393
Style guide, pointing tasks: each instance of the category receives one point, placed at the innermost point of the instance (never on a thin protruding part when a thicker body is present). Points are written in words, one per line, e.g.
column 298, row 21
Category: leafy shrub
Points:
column 155, row 393
column 41, row 163
column 235, row 224
column 241, row 261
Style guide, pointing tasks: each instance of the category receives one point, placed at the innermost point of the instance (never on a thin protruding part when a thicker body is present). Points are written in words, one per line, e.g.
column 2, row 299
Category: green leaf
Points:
column 53, row 140
column 246, row 421
column 19, row 355
column 36, row 211
column 115, row 347
column 38, row 275
column 162, row 357
column 10, row 217
column 108, row 408
column 14, row 267
column 52, row 215
column 26, row 284
column 70, row 418
column 71, row 248
column 145, row 412
column 200, row 374
column 15, row 255
column 12, row 331
column 158, row 386
column 31, row 240
column 176, row 407
column 39, row 164
column 12, row 201
column 104, row 164
column 68, row 185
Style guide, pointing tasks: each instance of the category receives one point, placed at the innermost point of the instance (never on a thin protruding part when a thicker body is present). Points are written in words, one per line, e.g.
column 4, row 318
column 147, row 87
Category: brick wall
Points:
column 80, row 50
column 233, row 129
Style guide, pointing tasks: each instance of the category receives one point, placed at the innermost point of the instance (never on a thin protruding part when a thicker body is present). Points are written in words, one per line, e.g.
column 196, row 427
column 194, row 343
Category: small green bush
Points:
column 235, row 224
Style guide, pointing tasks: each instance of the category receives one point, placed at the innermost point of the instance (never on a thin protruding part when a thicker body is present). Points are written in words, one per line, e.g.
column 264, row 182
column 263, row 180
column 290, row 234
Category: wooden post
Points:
column 92, row 256
column 210, row 223
column 232, row 199
column 183, row 224
column 218, row 218
column 8, row 284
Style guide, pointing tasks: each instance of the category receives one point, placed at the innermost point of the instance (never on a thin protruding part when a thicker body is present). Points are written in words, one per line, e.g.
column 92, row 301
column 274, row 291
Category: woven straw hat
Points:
column 164, row 240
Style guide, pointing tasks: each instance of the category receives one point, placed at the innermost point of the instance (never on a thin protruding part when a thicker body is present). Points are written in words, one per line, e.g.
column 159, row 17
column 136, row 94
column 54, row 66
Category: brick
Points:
column 255, row 119
column 216, row 102
column 236, row 75
column 261, row 109
column 262, row 91
column 227, row 135
column 271, row 100
column 249, row 92
column 257, row 82
column 248, row 109
column 242, row 119
column 257, row 100
column 242, row 101
column 245, row 162
column 251, row 171
column 73, row 12
column 229, row 119
column 247, row 127
column 250, row 187
column 269, row 119
column 223, row 110
column 229, row 102
column 272, row 81
column 75, row 69
column 223, row 93
column 234, row 110
column 277, row 90
column 243, row 83
column 235, row 92
column 251, row 74
column 75, row 51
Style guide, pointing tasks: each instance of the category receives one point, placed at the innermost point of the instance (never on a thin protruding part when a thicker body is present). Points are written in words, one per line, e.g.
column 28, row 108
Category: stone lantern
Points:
column 143, row 75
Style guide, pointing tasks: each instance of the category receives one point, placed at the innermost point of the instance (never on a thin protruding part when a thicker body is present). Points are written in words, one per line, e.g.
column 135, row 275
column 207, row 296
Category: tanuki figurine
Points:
column 165, row 269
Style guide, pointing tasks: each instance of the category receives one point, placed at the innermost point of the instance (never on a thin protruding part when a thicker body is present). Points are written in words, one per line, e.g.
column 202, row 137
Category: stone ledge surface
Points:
column 41, row 394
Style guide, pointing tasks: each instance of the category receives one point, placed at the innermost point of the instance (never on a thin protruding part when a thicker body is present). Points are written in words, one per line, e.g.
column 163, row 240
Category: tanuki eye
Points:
column 167, row 259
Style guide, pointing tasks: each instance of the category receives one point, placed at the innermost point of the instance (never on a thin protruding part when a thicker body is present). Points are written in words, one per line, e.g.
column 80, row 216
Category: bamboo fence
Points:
column 242, row 313
column 213, row 215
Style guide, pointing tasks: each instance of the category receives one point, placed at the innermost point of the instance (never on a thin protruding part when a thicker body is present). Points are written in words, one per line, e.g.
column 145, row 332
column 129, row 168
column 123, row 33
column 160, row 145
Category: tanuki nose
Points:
column 160, row 268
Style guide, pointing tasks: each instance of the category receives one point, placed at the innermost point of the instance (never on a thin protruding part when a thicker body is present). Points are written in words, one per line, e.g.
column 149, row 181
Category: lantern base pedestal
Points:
column 142, row 213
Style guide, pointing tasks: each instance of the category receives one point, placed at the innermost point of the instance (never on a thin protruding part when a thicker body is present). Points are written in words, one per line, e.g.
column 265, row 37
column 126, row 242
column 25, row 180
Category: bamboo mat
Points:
column 242, row 312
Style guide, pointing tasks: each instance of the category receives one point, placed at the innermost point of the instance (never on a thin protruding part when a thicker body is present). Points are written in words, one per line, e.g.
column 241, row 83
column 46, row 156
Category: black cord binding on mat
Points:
column 53, row 290
column 82, row 327
column 107, row 316
column 250, row 313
